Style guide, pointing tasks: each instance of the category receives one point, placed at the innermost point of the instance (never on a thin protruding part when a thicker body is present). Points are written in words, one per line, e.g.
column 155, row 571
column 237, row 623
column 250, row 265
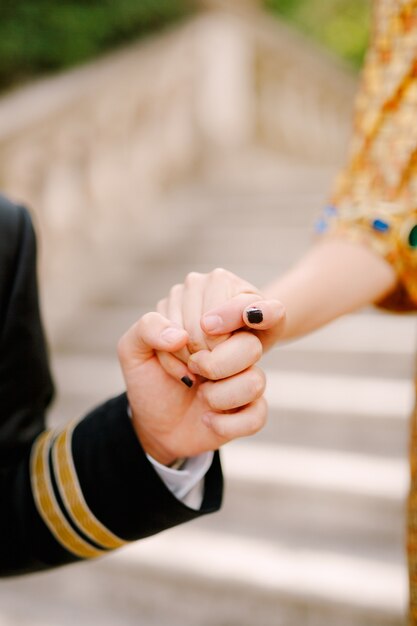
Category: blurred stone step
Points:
column 344, row 413
column 218, row 240
column 43, row 609
column 363, row 332
column 193, row 218
column 190, row 577
column 342, row 432
column 332, row 588
column 236, row 208
column 237, row 233
column 154, row 277
column 345, row 502
column 340, row 394
column 328, row 361
column 245, row 245
column 366, row 343
column 261, row 170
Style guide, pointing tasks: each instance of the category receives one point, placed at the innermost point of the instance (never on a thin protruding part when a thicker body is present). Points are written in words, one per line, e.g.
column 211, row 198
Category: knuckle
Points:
column 214, row 405
column 263, row 412
column 147, row 320
column 145, row 325
column 175, row 289
column 205, row 365
column 211, row 370
column 194, row 345
column 247, row 287
column 213, row 401
column 161, row 304
column 257, row 382
column 192, row 278
column 254, row 388
column 257, row 421
column 219, row 271
column 220, row 428
column 255, row 347
column 221, row 274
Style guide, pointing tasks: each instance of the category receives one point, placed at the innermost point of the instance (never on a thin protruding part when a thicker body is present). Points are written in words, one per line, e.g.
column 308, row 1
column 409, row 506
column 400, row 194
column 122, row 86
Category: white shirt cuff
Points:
column 187, row 483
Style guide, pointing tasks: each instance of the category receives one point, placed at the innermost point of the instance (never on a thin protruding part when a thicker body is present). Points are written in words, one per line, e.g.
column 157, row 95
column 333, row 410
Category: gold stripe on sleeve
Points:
column 72, row 495
column 47, row 504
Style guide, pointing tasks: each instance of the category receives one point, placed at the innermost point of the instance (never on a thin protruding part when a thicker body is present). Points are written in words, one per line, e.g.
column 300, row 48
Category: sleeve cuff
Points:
column 182, row 483
column 387, row 231
column 94, row 489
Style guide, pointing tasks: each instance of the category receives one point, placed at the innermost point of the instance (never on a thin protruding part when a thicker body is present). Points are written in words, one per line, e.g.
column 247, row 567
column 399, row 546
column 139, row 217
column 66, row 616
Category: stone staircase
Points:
column 312, row 527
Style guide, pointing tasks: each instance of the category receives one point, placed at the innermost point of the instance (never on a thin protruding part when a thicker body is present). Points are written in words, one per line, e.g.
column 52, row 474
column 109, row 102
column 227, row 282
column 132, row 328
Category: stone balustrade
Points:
column 94, row 150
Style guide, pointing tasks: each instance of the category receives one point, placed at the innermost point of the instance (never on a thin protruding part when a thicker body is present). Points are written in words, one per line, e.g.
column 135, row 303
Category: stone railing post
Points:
column 225, row 89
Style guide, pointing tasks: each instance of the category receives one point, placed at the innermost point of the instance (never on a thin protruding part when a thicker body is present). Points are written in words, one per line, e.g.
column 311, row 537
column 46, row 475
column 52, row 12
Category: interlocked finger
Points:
column 237, row 391
column 192, row 310
column 236, row 354
column 243, row 423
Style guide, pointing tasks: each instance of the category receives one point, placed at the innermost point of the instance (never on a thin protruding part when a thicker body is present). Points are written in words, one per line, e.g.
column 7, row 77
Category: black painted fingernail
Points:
column 187, row 381
column 254, row 315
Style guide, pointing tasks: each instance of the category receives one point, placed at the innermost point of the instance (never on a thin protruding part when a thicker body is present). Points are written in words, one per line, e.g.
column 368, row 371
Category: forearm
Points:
column 333, row 278
column 56, row 497
column 85, row 491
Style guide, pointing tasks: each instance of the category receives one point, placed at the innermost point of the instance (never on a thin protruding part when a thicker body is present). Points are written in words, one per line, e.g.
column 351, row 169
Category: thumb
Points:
column 243, row 310
column 152, row 332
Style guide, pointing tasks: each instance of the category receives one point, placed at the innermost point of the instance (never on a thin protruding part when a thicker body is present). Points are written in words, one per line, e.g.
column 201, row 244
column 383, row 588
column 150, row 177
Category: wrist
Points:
column 153, row 447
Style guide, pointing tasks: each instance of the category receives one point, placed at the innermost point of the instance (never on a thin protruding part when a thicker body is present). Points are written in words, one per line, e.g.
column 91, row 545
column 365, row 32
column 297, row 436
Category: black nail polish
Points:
column 254, row 315
column 187, row 381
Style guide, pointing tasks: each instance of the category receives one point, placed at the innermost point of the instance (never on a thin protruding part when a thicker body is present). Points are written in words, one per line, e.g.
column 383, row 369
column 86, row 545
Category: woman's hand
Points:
column 212, row 306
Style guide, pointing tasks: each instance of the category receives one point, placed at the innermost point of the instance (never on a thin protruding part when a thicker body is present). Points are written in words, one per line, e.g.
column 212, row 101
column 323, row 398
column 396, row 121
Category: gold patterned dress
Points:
column 375, row 197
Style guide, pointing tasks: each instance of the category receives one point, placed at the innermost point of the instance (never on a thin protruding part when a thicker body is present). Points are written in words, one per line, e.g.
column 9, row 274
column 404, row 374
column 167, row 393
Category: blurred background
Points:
column 157, row 137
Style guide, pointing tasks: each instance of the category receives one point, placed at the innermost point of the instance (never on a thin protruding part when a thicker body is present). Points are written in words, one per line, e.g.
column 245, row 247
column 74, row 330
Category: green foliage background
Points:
column 340, row 25
column 38, row 36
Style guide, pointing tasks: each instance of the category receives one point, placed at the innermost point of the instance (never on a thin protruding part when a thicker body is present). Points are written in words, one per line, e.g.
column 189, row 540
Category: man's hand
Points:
column 173, row 420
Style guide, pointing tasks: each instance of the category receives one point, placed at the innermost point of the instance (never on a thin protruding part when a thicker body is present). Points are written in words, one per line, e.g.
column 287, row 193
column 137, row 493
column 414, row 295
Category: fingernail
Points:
column 212, row 322
column 172, row 335
column 254, row 315
column 187, row 381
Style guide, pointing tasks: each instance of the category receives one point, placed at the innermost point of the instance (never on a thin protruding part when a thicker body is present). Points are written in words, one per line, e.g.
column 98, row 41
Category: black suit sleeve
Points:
column 79, row 493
